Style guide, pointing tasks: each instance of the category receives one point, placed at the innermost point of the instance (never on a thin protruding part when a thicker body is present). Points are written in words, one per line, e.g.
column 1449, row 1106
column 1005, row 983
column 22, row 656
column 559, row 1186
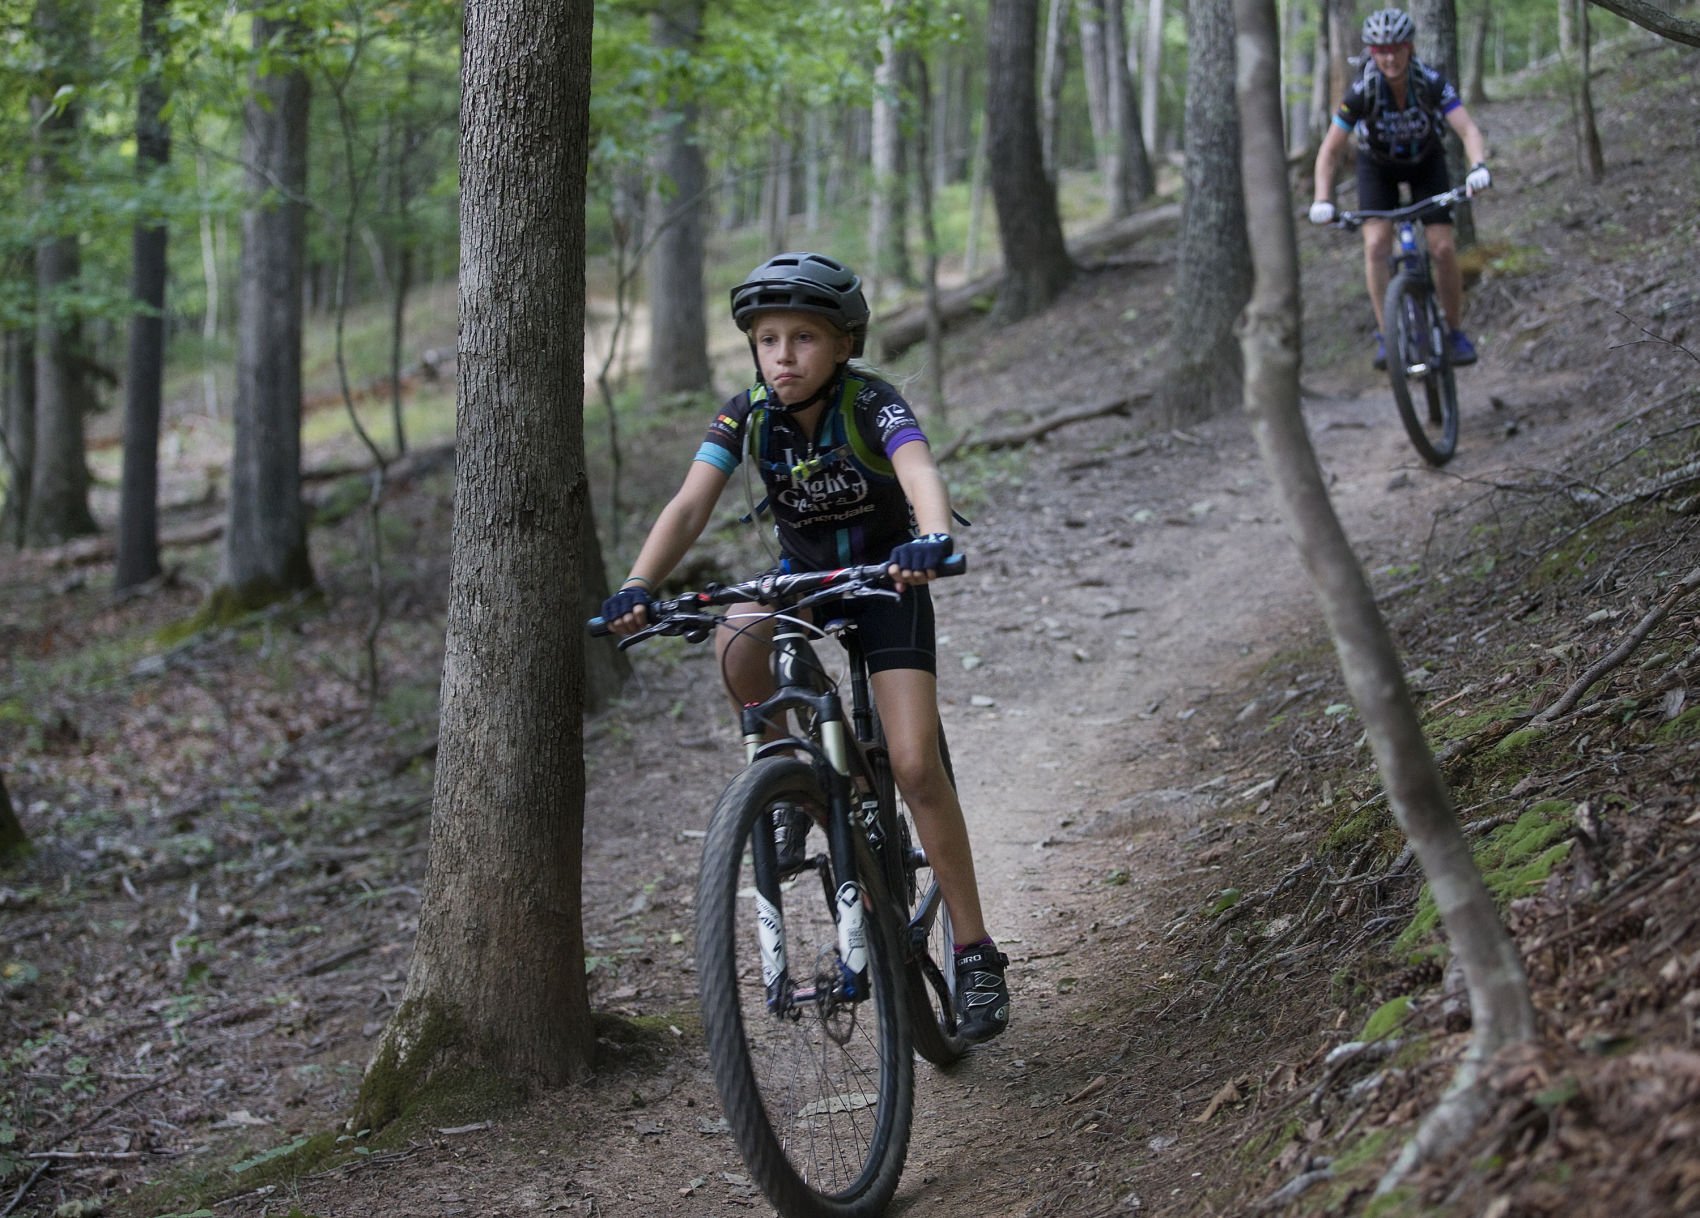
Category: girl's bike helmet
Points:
column 806, row 283
column 1388, row 26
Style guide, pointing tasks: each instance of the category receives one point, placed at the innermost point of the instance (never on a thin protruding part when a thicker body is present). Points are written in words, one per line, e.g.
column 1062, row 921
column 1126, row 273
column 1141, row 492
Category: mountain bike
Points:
column 819, row 980
column 1414, row 331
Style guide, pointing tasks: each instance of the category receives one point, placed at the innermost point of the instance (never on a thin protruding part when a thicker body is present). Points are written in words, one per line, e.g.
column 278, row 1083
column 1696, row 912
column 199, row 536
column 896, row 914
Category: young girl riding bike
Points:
column 850, row 479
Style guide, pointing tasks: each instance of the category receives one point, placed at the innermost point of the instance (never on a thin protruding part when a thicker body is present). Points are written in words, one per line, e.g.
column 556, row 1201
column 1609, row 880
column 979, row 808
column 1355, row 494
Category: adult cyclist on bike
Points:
column 850, row 479
column 1395, row 110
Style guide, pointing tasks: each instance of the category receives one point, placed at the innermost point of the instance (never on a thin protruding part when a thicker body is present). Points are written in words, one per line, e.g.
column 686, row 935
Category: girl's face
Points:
column 797, row 353
column 1392, row 59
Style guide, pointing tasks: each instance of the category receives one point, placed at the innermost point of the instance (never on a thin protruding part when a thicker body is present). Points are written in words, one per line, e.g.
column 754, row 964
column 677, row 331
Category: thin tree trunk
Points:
column 17, row 433
column 1475, row 88
column 1151, row 82
column 1053, row 75
column 138, row 513
column 13, row 839
column 210, row 284
column 1437, row 45
column 1132, row 177
column 1498, row 989
column 884, row 280
column 1589, row 156
column 930, row 241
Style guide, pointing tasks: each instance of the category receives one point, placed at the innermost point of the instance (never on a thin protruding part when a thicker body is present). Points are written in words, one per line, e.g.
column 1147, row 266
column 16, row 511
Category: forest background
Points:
column 370, row 170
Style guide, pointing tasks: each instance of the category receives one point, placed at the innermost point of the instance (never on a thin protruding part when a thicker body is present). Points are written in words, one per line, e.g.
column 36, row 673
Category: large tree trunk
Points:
column 1493, row 972
column 1036, row 263
column 138, row 506
column 678, row 326
column 497, row 979
column 58, row 504
column 265, row 538
column 1213, row 280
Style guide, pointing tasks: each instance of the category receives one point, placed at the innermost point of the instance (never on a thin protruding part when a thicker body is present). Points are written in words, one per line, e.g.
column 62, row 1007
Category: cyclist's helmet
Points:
column 807, row 283
column 1387, row 26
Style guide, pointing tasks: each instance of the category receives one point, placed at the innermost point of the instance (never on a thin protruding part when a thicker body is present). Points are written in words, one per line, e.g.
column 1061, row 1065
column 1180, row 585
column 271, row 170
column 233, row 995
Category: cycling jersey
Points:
column 834, row 496
column 1388, row 134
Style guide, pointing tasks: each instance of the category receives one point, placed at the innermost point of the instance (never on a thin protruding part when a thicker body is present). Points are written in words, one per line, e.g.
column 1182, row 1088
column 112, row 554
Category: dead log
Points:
column 1015, row 437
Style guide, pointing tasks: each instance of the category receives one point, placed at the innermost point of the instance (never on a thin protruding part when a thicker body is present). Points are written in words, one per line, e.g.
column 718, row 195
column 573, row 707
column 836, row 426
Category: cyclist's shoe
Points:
column 790, row 837
column 1380, row 352
column 982, row 997
column 1463, row 350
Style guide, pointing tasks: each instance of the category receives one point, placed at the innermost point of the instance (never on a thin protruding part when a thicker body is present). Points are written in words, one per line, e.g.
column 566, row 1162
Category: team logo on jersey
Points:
column 890, row 418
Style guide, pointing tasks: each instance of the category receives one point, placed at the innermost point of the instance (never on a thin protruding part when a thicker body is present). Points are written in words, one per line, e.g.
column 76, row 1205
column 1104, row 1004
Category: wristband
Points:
column 635, row 579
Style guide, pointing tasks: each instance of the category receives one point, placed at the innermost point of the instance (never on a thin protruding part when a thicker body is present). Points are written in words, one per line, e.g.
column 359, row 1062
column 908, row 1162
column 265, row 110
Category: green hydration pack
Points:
column 842, row 443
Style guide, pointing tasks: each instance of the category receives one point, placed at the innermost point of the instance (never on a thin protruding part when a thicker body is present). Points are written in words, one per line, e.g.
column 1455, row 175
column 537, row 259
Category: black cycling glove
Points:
column 624, row 601
column 923, row 553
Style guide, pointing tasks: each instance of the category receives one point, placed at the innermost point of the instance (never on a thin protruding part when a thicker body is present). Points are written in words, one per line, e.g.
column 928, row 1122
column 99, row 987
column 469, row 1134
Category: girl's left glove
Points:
column 1479, row 179
column 923, row 553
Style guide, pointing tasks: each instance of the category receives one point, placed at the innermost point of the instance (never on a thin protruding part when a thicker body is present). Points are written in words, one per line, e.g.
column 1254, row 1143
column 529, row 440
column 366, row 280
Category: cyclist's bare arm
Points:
column 674, row 532
column 1326, row 158
column 1475, row 143
column 918, row 475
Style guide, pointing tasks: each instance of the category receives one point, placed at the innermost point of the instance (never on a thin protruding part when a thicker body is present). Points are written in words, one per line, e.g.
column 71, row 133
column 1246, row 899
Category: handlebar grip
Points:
column 597, row 627
column 956, row 564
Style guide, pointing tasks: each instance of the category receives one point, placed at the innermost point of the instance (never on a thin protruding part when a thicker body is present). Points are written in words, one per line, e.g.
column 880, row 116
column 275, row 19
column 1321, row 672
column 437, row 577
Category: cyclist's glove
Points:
column 1479, row 180
column 1322, row 212
column 623, row 602
column 923, row 553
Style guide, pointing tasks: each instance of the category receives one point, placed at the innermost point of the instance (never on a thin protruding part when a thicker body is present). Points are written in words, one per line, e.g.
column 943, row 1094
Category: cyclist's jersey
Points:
column 834, row 497
column 1392, row 136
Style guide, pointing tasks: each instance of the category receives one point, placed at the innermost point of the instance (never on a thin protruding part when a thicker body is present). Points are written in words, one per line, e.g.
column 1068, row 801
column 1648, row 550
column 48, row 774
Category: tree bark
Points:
column 138, row 507
column 1590, row 159
column 1151, row 78
column 1498, row 989
column 1132, row 178
column 13, row 839
column 1213, row 280
column 497, row 979
column 17, row 432
column 1437, row 46
column 1659, row 21
column 58, row 504
column 1036, row 263
column 1475, row 88
column 1053, row 73
column 888, row 255
column 678, row 334
column 265, row 541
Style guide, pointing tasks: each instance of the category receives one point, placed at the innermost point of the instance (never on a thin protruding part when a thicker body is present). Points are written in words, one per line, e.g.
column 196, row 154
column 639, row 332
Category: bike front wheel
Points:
column 1420, row 368
column 815, row 1075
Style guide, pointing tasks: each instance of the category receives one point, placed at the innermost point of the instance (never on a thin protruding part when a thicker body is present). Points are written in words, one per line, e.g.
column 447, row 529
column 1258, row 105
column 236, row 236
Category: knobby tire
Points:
column 1416, row 337
column 819, row 1099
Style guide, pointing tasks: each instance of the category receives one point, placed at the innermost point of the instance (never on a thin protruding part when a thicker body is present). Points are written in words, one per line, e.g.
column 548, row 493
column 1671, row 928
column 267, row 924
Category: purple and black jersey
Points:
column 1389, row 134
column 834, row 497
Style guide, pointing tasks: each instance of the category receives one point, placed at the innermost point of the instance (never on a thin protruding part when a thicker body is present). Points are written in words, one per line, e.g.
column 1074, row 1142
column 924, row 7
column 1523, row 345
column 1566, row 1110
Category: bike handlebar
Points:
column 1351, row 220
column 684, row 614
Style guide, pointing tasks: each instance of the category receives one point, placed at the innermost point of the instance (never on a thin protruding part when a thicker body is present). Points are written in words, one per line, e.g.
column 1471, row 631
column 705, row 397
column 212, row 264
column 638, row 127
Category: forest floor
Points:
column 1177, row 825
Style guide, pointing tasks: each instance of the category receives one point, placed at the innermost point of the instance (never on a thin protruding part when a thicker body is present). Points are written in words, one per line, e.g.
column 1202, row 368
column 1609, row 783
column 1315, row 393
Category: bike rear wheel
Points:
column 929, row 955
column 818, row 1087
column 1420, row 367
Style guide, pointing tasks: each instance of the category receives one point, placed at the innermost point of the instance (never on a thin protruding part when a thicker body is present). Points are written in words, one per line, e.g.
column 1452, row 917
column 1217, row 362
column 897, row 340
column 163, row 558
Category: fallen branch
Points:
column 1617, row 655
column 1015, row 437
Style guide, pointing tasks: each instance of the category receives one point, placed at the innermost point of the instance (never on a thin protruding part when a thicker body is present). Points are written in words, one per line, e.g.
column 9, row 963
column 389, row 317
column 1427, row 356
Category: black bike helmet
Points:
column 1387, row 26
column 807, row 283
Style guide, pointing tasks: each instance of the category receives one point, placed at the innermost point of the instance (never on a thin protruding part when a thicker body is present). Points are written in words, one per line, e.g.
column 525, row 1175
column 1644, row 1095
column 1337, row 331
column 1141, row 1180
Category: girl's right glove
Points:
column 1479, row 179
column 922, row 553
column 1322, row 212
column 623, row 602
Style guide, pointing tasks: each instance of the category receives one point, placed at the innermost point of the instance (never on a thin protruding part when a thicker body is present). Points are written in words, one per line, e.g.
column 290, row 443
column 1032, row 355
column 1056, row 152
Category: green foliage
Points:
column 1387, row 1019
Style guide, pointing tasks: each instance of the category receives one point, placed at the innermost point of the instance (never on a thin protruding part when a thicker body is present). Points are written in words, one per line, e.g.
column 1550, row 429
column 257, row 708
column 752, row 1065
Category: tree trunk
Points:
column 13, row 839
column 265, row 538
column 887, row 261
column 1475, row 88
column 1589, row 157
column 1437, row 46
column 138, row 508
column 1053, row 74
column 1131, row 178
column 1151, row 65
column 1498, row 989
column 923, row 94
column 497, row 979
column 1036, row 262
column 1213, row 280
column 678, row 333
column 1091, row 19
column 1652, row 17
column 1343, row 42
column 1322, row 101
column 17, row 433
column 58, row 505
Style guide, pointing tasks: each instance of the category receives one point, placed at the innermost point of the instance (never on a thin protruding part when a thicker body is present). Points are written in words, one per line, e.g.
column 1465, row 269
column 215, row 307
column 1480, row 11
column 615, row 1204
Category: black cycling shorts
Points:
column 1378, row 185
column 895, row 634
